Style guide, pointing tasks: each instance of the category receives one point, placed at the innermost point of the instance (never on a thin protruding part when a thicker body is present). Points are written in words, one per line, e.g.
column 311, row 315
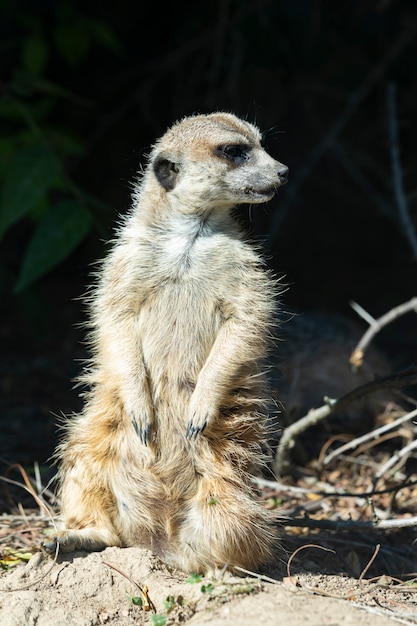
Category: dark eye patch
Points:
column 237, row 153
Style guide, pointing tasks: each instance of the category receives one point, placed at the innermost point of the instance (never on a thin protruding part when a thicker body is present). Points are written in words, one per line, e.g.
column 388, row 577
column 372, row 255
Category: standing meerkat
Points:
column 181, row 318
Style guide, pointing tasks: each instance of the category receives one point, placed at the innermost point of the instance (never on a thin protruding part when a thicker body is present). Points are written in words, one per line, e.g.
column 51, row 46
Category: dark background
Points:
column 86, row 89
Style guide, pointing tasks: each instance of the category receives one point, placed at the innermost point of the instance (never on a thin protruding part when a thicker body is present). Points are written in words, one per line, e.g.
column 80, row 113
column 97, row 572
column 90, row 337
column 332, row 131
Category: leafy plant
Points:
column 158, row 620
column 44, row 214
column 170, row 603
column 194, row 579
column 11, row 558
column 136, row 600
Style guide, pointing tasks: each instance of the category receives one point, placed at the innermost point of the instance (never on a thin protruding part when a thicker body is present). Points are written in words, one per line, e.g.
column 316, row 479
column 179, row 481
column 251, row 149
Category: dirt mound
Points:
column 84, row 590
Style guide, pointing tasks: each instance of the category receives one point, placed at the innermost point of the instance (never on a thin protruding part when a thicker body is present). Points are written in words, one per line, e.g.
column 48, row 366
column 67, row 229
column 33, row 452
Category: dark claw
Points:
column 50, row 546
column 144, row 435
column 192, row 432
column 147, row 433
column 136, row 427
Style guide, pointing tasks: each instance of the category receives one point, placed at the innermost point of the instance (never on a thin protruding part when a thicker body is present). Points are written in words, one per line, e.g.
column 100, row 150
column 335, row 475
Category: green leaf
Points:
column 104, row 33
column 55, row 90
column 158, row 620
column 38, row 213
column 33, row 171
column 9, row 110
column 14, row 108
column 6, row 149
column 35, row 54
column 136, row 600
column 72, row 41
column 194, row 578
column 169, row 603
column 65, row 141
column 62, row 229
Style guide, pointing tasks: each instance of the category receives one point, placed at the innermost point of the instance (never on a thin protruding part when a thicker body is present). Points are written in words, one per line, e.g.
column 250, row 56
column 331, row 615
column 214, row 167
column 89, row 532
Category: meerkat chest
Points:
column 182, row 311
column 200, row 260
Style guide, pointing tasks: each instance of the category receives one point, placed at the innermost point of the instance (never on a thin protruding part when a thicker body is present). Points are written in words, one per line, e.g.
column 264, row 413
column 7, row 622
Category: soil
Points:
column 83, row 590
column 88, row 589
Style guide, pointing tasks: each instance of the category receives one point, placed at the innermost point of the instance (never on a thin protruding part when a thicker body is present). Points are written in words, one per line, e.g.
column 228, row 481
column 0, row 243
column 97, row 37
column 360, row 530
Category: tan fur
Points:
column 181, row 318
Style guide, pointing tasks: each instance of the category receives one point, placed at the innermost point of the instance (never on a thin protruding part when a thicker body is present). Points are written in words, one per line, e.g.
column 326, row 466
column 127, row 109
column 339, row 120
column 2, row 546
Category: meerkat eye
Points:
column 237, row 153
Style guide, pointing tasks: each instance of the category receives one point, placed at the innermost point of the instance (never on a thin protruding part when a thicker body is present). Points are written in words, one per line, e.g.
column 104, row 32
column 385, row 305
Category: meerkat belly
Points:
column 178, row 327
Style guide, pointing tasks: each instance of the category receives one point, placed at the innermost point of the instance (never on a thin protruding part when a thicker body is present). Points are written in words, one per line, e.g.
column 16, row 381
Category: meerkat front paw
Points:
column 91, row 539
column 142, row 422
column 62, row 539
column 200, row 416
column 195, row 427
column 143, row 429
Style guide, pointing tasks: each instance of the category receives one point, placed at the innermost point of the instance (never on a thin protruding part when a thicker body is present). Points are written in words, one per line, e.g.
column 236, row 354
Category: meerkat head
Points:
column 215, row 160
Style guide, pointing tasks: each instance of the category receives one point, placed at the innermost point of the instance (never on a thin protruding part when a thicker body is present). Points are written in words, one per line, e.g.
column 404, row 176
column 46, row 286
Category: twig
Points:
column 147, row 602
column 348, row 596
column 371, row 560
column 338, row 525
column 398, row 456
column 294, row 554
column 38, row 480
column 282, row 488
column 256, row 575
column 356, row 357
column 43, row 507
column 29, row 488
column 405, row 218
column 287, row 442
column 374, row 434
column 322, row 592
column 395, row 434
column 288, row 437
column 362, row 313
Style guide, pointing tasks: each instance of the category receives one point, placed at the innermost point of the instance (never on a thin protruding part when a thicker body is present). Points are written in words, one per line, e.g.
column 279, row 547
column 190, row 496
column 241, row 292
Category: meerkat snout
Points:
column 283, row 172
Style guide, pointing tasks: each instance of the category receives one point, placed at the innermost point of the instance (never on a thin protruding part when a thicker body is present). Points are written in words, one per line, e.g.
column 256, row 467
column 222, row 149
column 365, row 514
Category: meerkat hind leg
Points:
column 224, row 527
column 90, row 539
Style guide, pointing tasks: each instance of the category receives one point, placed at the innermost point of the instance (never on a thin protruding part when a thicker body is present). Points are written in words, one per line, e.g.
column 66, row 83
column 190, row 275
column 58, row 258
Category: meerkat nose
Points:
column 283, row 174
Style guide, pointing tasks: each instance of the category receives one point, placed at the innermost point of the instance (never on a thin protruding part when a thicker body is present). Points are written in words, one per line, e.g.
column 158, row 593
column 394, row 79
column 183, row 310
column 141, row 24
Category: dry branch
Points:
column 289, row 435
column 352, row 525
column 375, row 325
column 374, row 434
column 328, row 492
column 398, row 457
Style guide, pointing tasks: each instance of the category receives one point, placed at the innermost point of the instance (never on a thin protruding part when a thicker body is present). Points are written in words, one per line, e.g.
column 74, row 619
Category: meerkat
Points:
column 181, row 318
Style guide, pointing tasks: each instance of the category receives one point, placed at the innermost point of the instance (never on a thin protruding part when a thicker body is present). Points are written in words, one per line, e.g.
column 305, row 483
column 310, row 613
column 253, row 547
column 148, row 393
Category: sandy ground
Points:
column 84, row 590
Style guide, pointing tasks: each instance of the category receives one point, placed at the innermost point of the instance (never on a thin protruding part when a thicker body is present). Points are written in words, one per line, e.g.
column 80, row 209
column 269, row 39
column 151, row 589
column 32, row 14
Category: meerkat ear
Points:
column 166, row 172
